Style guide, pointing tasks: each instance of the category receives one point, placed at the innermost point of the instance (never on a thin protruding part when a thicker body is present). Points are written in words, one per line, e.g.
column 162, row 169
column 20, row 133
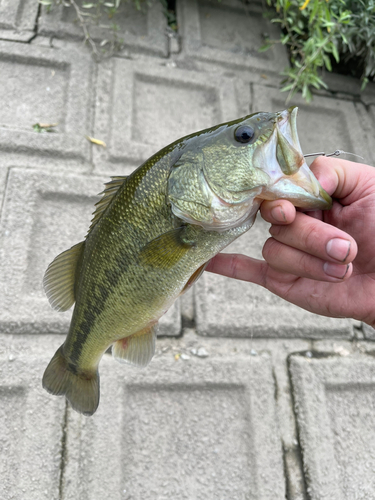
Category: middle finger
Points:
column 316, row 238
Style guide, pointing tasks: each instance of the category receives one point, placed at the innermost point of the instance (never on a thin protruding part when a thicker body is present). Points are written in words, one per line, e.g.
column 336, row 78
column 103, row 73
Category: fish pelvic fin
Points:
column 137, row 349
column 80, row 389
column 60, row 278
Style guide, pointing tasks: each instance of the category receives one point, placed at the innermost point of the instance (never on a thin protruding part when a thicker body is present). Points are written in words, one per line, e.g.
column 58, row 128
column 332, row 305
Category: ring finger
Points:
column 290, row 260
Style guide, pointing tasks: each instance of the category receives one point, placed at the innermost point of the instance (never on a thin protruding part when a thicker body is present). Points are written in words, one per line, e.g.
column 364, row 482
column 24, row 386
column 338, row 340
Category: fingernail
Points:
column 278, row 214
column 335, row 270
column 338, row 249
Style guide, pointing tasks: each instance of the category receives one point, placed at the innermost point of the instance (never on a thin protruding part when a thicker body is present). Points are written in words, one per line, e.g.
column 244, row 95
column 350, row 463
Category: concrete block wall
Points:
column 247, row 397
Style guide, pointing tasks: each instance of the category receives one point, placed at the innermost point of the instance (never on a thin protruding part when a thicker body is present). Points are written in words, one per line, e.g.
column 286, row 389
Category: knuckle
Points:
column 234, row 266
column 311, row 236
column 305, row 264
column 270, row 250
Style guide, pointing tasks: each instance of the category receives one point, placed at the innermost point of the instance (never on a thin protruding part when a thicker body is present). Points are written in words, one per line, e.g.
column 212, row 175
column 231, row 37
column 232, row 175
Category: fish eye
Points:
column 244, row 134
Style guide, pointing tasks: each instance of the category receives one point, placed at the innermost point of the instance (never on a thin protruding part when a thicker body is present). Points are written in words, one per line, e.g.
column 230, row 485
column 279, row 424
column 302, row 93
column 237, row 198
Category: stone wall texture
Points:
column 247, row 397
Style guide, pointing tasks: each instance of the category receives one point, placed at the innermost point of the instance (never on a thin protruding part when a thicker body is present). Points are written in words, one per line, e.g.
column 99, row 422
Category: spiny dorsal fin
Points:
column 60, row 277
column 137, row 349
column 108, row 194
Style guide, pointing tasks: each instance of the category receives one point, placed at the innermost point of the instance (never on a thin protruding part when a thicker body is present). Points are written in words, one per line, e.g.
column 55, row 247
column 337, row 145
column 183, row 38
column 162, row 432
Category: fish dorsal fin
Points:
column 137, row 349
column 107, row 196
column 60, row 277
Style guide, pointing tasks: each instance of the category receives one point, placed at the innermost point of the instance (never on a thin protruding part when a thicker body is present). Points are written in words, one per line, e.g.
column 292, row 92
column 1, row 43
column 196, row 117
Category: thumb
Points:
column 345, row 180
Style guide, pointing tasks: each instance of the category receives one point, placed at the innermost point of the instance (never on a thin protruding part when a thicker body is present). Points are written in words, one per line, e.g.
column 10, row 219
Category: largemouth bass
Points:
column 153, row 233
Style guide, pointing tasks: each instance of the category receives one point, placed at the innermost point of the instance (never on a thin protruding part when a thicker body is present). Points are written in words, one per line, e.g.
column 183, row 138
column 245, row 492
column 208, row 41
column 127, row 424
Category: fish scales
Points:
column 153, row 233
column 108, row 274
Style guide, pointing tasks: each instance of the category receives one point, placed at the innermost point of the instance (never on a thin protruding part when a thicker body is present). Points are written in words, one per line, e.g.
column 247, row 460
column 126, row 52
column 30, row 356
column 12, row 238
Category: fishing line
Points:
column 338, row 152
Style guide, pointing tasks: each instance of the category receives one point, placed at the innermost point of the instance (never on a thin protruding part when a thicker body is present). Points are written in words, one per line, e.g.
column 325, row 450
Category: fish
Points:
column 153, row 233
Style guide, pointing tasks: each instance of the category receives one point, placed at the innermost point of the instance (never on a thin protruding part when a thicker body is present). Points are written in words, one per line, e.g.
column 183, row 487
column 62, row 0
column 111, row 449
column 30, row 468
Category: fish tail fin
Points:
column 80, row 389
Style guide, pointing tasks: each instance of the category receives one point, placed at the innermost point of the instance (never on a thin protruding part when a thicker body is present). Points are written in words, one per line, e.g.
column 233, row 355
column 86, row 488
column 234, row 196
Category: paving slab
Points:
column 142, row 107
column 372, row 114
column 203, row 428
column 327, row 124
column 54, row 214
column 137, row 30
column 279, row 350
column 335, row 403
column 349, row 87
column 229, row 33
column 368, row 332
column 3, row 181
column 56, row 88
column 232, row 308
column 18, row 19
column 31, row 423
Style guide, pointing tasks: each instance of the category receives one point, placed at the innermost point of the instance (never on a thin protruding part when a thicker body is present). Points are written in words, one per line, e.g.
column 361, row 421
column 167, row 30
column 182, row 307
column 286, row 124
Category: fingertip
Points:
column 278, row 212
column 338, row 271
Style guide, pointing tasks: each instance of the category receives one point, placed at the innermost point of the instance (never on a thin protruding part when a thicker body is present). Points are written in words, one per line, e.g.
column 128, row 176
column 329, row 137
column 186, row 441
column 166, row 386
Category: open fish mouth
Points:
column 283, row 160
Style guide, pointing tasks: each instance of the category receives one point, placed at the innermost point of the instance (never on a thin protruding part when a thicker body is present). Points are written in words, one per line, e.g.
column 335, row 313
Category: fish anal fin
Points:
column 60, row 277
column 167, row 249
column 137, row 349
column 80, row 389
column 108, row 194
column 194, row 278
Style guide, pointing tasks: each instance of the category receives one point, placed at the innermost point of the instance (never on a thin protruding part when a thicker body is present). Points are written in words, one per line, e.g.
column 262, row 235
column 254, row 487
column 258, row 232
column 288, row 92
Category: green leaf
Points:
column 335, row 53
column 265, row 47
column 287, row 87
column 327, row 62
column 364, row 83
column 306, row 93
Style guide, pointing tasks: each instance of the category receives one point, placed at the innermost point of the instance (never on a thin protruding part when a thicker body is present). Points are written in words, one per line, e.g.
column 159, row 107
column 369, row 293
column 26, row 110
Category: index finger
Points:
column 345, row 180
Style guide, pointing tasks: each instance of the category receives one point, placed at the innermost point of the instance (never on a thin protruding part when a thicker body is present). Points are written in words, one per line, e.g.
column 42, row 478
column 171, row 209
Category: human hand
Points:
column 322, row 261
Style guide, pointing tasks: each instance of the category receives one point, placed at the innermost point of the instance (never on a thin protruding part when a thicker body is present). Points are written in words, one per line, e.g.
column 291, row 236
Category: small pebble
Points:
column 202, row 353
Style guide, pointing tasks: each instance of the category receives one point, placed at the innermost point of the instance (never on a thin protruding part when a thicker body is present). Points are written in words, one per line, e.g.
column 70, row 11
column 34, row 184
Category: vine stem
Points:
column 85, row 30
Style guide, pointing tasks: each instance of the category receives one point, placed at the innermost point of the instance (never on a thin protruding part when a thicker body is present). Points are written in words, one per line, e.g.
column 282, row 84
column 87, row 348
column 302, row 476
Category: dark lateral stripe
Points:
column 95, row 307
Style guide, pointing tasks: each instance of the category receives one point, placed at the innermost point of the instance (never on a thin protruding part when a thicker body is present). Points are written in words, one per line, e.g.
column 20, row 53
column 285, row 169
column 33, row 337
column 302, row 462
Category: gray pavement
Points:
column 247, row 397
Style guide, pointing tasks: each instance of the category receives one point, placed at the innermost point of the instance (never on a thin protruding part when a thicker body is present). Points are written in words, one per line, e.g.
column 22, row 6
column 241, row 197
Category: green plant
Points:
column 322, row 33
column 44, row 127
column 100, row 13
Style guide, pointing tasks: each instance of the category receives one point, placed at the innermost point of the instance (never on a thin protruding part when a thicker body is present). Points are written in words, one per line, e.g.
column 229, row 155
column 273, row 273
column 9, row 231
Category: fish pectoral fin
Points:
column 137, row 349
column 167, row 249
column 60, row 277
column 194, row 278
